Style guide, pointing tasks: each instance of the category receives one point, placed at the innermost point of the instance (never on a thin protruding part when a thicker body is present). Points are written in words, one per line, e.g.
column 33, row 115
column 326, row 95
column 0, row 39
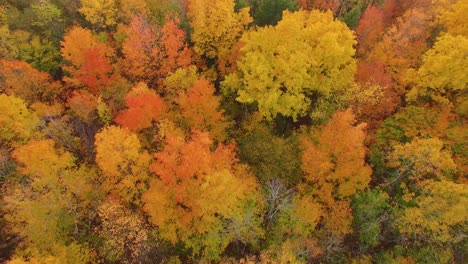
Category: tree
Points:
column 27, row 83
column 452, row 18
column 144, row 108
column 17, row 122
column 122, row 162
column 422, row 158
column 96, row 71
column 84, row 105
column 273, row 158
column 335, row 168
column 283, row 68
column 200, row 109
column 152, row 53
column 413, row 122
column 88, row 59
column 183, row 201
column 370, row 29
column 101, row 13
column 269, row 12
column 369, row 209
column 442, row 78
column 216, row 27
column 323, row 5
column 172, row 52
column 439, row 217
column 402, row 45
column 125, row 232
column 49, row 209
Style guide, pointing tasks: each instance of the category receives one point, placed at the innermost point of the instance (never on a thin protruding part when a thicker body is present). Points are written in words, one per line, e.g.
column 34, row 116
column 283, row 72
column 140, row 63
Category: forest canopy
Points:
column 233, row 131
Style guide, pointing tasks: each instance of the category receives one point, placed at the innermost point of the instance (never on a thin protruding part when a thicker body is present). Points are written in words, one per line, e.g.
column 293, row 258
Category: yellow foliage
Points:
column 216, row 27
column 443, row 75
column 101, row 13
column 422, row 157
column 441, row 213
column 125, row 231
column 454, row 20
column 121, row 160
column 282, row 67
column 17, row 123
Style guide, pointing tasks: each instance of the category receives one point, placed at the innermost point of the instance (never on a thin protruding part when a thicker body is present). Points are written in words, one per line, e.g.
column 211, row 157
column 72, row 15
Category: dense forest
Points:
column 233, row 131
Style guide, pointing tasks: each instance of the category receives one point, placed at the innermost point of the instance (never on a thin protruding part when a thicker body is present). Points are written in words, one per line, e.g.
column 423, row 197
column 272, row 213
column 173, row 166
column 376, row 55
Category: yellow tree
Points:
column 48, row 208
column 17, row 123
column 101, row 13
column 203, row 197
column 122, row 162
column 216, row 26
column 440, row 215
column 453, row 18
column 422, row 158
column 443, row 77
column 335, row 169
column 307, row 59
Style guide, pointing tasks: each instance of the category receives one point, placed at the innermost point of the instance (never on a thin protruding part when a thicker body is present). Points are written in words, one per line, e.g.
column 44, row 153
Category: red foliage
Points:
column 142, row 110
column 96, row 70
column 318, row 4
column 370, row 29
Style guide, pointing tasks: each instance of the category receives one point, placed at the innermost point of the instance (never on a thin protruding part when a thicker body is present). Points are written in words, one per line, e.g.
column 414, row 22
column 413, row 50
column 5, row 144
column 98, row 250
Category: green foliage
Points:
column 369, row 208
column 272, row 157
column 352, row 17
column 269, row 12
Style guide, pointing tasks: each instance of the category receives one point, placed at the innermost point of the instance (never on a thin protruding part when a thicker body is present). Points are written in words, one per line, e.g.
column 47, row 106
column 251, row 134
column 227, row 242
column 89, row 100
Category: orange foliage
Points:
column 173, row 52
column 200, row 107
column 323, row 5
column 373, row 73
column 198, row 188
column 88, row 59
column 336, row 168
column 152, row 53
column 370, row 29
column 403, row 45
column 144, row 107
column 83, row 104
column 95, row 72
column 27, row 83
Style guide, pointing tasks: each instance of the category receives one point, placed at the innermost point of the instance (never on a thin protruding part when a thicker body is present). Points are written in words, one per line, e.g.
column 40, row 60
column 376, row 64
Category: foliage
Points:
column 336, row 168
column 17, row 122
column 269, row 12
column 369, row 214
column 216, row 26
column 442, row 77
column 152, row 53
column 319, row 54
column 184, row 201
column 440, row 215
column 101, row 13
column 198, row 131
column 144, row 107
column 27, row 83
column 122, row 162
